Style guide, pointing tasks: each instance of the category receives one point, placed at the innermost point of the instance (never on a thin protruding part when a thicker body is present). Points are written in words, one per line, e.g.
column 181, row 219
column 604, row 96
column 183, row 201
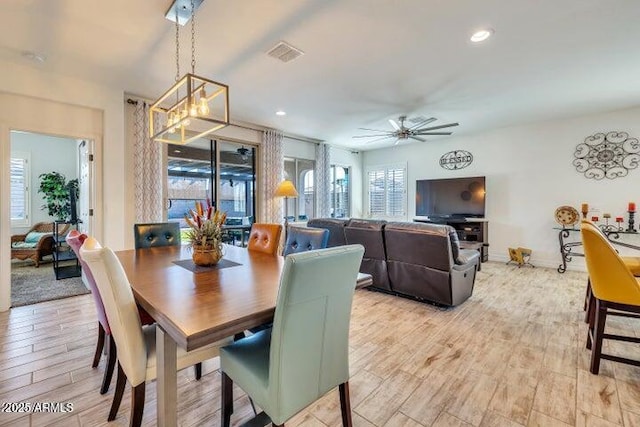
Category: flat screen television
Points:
column 455, row 197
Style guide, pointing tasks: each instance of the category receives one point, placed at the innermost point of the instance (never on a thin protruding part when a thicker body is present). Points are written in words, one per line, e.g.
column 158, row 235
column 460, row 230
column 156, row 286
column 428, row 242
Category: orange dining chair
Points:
column 633, row 263
column 613, row 287
column 265, row 238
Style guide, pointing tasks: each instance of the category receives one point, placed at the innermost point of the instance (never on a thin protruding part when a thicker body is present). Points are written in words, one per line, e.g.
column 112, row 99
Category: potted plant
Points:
column 205, row 233
column 57, row 193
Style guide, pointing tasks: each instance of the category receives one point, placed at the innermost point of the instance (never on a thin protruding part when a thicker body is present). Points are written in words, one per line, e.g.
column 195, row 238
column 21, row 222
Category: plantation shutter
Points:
column 396, row 192
column 377, row 193
column 387, row 190
column 19, row 190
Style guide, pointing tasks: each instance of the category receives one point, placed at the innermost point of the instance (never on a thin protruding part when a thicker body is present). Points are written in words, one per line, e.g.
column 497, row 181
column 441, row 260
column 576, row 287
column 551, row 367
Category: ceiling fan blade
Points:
column 379, row 139
column 418, row 138
column 433, row 133
column 394, row 124
column 397, row 141
column 437, row 127
column 375, row 130
column 388, row 135
column 422, row 123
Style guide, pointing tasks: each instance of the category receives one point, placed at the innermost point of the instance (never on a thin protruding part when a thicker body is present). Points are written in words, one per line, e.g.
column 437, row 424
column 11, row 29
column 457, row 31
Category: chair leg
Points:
column 99, row 346
column 117, row 396
column 600, row 320
column 137, row 404
column 345, row 404
column 587, row 300
column 591, row 317
column 227, row 399
column 198, row 371
column 111, row 363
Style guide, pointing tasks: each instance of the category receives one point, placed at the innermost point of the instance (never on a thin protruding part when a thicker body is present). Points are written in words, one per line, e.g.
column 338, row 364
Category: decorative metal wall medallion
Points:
column 456, row 159
column 610, row 155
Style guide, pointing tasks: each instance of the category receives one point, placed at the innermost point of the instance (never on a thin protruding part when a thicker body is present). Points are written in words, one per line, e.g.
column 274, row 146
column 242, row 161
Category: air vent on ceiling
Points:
column 285, row 52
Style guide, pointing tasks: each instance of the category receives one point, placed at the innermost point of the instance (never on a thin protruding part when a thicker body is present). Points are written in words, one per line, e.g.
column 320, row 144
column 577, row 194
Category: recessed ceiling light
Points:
column 482, row 35
column 33, row 56
column 281, row 113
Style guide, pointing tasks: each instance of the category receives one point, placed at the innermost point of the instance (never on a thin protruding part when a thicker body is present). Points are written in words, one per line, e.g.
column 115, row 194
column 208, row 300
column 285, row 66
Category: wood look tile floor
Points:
column 511, row 355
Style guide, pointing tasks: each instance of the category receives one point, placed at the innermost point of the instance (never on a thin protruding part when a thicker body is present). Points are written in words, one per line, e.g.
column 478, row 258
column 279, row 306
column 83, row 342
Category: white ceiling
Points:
column 365, row 60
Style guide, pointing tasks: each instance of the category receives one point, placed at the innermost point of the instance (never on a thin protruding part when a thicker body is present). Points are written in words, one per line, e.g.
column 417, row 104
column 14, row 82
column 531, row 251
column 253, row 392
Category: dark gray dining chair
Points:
column 156, row 234
column 302, row 239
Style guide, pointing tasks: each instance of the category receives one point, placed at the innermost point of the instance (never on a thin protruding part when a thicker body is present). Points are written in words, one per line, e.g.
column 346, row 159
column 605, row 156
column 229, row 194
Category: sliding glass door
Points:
column 237, row 181
column 222, row 171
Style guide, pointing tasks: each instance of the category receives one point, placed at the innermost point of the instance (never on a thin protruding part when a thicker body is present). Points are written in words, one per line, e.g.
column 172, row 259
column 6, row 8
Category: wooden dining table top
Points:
column 196, row 309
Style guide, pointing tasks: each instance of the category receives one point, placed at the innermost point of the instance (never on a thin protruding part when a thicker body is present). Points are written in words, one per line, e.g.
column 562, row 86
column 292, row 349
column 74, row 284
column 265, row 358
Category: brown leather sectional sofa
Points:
column 417, row 260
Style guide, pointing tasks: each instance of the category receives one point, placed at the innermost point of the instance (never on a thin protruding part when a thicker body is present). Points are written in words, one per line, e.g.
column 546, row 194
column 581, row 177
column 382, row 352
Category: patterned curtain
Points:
column 272, row 175
column 322, row 180
column 148, row 176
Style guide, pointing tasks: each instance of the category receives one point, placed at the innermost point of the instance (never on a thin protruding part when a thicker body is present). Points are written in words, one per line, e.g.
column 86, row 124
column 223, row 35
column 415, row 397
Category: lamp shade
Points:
column 286, row 189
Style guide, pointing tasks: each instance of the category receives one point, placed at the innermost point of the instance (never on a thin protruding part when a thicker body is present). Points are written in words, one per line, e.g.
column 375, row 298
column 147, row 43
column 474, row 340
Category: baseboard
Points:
column 541, row 263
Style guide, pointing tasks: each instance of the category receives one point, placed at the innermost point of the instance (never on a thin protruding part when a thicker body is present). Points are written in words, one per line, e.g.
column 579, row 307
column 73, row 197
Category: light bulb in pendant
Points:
column 193, row 110
column 203, row 107
column 170, row 122
column 184, row 115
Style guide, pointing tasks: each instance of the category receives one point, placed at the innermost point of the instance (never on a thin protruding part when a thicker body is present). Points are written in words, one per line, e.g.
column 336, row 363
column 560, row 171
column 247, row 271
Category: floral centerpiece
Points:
column 205, row 233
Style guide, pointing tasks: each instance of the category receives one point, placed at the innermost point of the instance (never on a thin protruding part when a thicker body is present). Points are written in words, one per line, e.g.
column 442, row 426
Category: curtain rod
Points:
column 248, row 126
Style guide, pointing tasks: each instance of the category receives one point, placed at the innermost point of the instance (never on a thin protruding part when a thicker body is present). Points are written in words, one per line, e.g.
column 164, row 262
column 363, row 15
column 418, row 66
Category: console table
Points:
column 566, row 247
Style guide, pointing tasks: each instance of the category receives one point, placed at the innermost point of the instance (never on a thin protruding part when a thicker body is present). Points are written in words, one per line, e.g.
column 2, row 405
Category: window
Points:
column 387, row 191
column 340, row 189
column 20, row 173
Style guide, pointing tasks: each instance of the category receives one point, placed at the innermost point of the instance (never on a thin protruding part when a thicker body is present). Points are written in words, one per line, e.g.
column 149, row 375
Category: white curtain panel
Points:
column 322, row 180
column 272, row 175
column 148, row 176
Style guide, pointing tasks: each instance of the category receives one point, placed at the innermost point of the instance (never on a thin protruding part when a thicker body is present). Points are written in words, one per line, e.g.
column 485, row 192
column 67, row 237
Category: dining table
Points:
column 195, row 306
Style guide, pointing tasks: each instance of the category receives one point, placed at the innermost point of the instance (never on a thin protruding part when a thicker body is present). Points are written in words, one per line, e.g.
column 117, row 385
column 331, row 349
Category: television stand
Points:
column 473, row 233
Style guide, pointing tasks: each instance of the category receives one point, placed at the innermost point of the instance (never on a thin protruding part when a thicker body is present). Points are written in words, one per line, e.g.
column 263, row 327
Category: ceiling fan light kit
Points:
column 194, row 106
column 402, row 133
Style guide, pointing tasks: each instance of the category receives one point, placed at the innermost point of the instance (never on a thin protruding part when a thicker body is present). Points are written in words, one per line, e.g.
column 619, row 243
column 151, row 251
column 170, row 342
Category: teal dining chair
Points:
column 305, row 354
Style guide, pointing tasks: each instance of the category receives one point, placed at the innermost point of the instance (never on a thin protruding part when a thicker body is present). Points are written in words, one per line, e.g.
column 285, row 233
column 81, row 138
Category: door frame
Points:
column 54, row 118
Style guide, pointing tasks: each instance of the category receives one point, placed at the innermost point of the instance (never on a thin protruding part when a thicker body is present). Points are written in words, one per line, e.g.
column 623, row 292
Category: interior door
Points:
column 85, row 175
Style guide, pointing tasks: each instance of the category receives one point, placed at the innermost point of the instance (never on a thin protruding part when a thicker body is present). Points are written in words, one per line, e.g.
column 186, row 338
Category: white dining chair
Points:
column 136, row 347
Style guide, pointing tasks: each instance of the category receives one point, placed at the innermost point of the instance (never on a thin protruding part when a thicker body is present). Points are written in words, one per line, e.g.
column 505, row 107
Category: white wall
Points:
column 529, row 174
column 47, row 154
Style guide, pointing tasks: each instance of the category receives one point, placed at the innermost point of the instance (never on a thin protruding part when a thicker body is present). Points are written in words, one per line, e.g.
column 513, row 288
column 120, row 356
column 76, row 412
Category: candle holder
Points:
column 630, row 227
column 619, row 221
column 585, row 210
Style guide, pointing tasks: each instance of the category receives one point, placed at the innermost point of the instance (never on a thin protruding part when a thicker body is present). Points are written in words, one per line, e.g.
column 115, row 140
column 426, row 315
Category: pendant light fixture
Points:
column 194, row 106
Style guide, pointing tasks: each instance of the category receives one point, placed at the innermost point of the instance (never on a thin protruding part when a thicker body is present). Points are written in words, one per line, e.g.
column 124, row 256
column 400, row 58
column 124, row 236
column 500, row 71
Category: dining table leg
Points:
column 167, row 381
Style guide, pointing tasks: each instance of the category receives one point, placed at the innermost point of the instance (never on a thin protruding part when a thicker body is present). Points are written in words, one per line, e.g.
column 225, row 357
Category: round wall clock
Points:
column 567, row 215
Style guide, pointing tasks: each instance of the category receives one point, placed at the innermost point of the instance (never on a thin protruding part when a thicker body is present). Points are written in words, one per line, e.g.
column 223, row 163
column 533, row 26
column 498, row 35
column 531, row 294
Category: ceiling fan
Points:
column 402, row 132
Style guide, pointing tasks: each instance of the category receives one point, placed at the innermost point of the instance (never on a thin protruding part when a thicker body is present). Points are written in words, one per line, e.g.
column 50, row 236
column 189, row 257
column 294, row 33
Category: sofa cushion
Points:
column 368, row 233
column 420, row 244
column 34, row 237
column 23, row 245
column 335, row 227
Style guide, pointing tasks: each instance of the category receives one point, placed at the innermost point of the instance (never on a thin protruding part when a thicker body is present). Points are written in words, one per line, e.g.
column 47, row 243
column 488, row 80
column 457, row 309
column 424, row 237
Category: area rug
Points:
column 30, row 285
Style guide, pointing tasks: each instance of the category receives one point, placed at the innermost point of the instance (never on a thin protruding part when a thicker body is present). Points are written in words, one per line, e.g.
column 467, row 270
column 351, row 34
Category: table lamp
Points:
column 286, row 189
